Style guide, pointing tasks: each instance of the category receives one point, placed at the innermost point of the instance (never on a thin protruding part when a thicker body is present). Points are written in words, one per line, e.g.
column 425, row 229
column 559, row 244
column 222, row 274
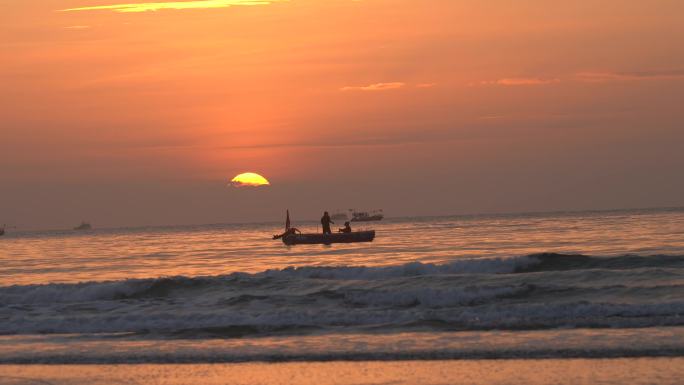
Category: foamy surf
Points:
column 538, row 291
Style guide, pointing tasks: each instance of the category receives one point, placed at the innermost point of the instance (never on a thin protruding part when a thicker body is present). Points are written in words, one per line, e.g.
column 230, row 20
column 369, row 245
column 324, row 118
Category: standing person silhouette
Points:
column 325, row 222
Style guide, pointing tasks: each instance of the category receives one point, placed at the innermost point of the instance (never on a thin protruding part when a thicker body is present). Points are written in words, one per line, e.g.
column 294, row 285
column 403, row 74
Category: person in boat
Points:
column 325, row 222
column 290, row 231
column 346, row 228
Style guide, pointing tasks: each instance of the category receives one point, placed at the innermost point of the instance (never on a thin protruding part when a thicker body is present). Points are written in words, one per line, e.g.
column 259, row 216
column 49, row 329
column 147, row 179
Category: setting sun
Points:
column 249, row 179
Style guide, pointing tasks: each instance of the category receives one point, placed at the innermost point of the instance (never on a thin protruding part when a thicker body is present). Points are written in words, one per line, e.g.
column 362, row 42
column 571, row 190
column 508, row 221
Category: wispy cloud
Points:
column 586, row 76
column 512, row 82
column 425, row 85
column 375, row 87
column 607, row 76
column 77, row 27
column 174, row 5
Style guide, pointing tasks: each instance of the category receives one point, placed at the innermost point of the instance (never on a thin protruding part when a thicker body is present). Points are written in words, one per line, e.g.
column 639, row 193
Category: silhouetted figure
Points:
column 325, row 222
column 290, row 231
column 346, row 228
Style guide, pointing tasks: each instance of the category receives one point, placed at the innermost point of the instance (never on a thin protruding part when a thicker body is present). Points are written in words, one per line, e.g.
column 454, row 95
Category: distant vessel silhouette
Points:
column 83, row 226
column 365, row 216
column 339, row 215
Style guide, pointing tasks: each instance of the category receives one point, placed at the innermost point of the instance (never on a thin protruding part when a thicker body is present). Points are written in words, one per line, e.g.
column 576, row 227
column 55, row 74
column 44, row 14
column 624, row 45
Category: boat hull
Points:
column 326, row 239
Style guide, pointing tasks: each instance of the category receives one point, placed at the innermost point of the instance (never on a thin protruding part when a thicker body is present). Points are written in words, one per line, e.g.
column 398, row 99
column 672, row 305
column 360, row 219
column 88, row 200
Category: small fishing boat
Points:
column 326, row 239
column 292, row 236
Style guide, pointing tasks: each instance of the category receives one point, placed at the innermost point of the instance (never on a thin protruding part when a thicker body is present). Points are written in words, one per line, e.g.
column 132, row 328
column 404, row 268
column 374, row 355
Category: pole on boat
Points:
column 287, row 220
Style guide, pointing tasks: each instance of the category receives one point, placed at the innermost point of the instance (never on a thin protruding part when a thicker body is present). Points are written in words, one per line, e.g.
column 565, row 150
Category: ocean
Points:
column 557, row 286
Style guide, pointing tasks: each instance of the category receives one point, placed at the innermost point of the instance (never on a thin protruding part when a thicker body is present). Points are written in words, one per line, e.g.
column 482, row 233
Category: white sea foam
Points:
column 464, row 294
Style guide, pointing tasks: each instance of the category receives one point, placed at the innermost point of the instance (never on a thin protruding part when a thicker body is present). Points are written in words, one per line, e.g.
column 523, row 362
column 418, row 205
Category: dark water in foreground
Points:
column 597, row 284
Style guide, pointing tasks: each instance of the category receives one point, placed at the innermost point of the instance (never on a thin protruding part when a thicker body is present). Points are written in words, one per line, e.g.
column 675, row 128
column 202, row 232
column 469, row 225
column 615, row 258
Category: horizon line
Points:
column 481, row 214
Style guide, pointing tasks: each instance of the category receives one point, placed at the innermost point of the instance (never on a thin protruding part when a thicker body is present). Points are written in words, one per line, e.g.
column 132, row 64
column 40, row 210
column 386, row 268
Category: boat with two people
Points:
column 293, row 236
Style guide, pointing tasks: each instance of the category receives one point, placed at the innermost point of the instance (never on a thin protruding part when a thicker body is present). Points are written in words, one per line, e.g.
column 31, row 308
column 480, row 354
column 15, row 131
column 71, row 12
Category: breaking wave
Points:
column 157, row 287
column 528, row 292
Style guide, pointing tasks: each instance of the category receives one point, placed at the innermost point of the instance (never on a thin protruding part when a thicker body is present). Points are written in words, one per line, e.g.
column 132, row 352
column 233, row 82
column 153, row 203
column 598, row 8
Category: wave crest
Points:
column 187, row 286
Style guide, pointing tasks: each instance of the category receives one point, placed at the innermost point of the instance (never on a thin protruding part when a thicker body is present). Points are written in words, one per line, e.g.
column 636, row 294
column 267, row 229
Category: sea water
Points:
column 583, row 285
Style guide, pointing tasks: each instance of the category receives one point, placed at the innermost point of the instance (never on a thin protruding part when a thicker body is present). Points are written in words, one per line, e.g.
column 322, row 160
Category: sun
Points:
column 249, row 179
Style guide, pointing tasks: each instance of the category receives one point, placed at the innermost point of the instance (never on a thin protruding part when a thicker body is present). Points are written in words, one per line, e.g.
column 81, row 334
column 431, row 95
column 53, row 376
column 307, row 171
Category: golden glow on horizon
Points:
column 175, row 5
column 249, row 179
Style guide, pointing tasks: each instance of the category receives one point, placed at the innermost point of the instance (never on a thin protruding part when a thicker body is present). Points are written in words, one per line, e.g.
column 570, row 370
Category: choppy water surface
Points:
column 426, row 288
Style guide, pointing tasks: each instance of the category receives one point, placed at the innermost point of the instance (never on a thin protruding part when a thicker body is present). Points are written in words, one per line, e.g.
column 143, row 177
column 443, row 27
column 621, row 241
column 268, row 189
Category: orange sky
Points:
column 420, row 107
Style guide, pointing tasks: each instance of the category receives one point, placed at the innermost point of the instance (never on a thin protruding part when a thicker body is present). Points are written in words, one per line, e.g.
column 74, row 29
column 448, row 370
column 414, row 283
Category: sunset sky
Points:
column 133, row 113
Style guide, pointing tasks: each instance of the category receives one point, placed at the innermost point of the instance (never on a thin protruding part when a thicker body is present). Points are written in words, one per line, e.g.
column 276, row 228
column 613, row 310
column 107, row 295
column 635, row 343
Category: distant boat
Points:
column 339, row 215
column 83, row 226
column 365, row 216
